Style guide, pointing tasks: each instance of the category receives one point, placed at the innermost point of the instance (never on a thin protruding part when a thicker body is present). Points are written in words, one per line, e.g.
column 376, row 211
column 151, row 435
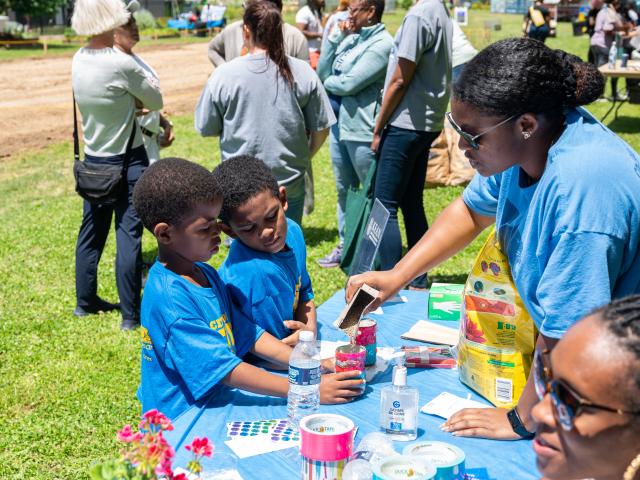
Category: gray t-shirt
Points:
column 229, row 43
column 106, row 84
column 255, row 112
column 424, row 38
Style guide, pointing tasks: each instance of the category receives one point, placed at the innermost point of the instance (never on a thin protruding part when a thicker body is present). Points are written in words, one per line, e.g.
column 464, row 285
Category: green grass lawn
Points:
column 68, row 384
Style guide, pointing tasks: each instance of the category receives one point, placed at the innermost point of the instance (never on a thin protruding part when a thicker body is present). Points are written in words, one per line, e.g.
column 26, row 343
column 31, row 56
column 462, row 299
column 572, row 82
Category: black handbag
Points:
column 99, row 183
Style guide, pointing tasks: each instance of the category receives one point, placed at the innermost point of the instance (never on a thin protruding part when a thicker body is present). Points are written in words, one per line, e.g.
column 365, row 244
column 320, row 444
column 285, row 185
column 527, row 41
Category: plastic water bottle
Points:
column 613, row 51
column 373, row 447
column 304, row 379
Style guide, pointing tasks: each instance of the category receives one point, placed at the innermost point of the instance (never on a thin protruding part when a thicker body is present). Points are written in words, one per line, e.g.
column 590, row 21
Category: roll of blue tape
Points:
column 403, row 467
column 448, row 459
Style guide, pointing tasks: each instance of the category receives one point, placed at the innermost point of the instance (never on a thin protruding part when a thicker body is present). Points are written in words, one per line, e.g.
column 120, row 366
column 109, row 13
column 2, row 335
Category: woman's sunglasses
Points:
column 567, row 403
column 472, row 140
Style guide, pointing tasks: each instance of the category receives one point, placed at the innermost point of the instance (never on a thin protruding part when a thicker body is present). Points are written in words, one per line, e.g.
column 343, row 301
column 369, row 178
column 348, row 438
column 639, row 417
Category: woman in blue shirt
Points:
column 562, row 189
column 352, row 67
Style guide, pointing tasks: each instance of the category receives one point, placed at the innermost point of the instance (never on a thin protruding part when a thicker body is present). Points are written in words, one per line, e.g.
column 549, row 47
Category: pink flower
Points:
column 164, row 467
column 201, row 447
column 127, row 435
column 156, row 419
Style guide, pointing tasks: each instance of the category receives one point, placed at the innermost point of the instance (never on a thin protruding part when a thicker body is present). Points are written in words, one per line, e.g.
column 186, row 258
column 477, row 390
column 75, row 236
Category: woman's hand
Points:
column 386, row 283
column 169, row 136
column 340, row 387
column 375, row 143
column 481, row 422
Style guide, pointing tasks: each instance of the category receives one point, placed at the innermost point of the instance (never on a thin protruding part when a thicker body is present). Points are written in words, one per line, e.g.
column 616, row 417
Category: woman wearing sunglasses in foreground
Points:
column 589, row 388
column 562, row 189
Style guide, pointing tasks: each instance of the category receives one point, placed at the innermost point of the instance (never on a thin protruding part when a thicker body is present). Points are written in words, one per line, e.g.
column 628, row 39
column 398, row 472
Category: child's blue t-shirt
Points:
column 573, row 237
column 191, row 339
column 269, row 286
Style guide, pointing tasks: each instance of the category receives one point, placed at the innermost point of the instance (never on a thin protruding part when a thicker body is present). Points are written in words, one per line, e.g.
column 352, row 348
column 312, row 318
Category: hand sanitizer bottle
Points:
column 399, row 407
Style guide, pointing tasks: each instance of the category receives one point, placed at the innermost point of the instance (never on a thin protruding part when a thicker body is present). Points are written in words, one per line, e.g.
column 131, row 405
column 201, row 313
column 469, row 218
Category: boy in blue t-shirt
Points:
column 266, row 269
column 192, row 336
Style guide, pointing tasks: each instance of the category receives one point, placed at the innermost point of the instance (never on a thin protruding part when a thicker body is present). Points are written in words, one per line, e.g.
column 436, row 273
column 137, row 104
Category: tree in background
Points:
column 35, row 12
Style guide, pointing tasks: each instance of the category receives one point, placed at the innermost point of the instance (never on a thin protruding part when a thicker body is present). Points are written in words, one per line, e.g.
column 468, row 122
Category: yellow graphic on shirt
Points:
column 296, row 297
column 147, row 344
column 223, row 327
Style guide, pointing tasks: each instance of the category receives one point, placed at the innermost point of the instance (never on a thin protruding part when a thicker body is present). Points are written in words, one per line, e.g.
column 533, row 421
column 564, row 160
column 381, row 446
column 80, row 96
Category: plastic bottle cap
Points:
column 400, row 376
column 307, row 336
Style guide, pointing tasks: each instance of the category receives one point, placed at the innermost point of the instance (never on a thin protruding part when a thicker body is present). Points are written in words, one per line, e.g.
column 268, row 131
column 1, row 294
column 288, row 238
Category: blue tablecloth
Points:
column 503, row 460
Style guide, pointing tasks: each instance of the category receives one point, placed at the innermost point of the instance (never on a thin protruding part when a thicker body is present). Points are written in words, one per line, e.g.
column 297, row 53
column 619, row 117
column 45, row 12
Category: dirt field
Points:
column 35, row 104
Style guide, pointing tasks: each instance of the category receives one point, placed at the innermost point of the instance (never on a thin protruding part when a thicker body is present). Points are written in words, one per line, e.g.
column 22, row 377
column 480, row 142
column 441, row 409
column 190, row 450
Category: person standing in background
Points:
column 264, row 104
column 416, row 95
column 596, row 5
column 309, row 21
column 462, row 52
column 336, row 18
column 352, row 67
column 157, row 130
column 608, row 22
column 537, row 22
column 107, row 85
column 229, row 43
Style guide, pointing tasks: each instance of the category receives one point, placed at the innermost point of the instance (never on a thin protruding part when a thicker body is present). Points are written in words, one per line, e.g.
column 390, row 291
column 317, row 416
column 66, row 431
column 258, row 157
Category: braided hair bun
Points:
column 519, row 75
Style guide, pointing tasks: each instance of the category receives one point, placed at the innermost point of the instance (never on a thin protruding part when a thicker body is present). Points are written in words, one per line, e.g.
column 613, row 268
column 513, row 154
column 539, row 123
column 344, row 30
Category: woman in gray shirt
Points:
column 107, row 87
column 264, row 103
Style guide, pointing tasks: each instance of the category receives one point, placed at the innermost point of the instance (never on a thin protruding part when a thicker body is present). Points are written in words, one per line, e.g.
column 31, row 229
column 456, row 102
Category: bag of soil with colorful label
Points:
column 497, row 335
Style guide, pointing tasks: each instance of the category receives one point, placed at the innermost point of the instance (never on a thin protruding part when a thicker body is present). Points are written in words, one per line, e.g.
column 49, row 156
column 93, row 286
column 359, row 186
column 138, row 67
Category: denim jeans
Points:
column 351, row 161
column 295, row 200
column 94, row 230
column 402, row 169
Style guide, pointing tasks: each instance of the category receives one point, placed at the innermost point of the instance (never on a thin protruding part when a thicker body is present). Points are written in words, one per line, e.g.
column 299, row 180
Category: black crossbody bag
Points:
column 99, row 183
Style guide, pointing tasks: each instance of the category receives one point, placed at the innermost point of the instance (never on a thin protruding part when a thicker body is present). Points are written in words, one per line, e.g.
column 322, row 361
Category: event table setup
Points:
column 630, row 71
column 215, row 419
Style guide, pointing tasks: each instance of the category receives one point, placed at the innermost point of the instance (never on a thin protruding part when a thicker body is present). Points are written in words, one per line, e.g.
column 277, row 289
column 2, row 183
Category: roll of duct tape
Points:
column 326, row 437
column 447, row 459
column 403, row 467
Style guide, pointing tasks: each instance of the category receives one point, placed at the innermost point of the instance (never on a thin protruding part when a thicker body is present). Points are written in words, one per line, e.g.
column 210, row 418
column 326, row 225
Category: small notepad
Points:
column 429, row 332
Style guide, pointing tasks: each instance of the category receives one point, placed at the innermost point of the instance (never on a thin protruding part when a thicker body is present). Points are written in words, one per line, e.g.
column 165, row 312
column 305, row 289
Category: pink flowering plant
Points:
column 146, row 455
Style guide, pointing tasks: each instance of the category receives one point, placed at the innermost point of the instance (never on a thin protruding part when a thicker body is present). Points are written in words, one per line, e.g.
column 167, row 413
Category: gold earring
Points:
column 526, row 135
column 632, row 469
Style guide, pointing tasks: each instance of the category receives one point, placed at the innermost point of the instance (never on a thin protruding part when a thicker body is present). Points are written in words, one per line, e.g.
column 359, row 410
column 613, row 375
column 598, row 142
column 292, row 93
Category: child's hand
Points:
column 292, row 339
column 328, row 365
column 340, row 387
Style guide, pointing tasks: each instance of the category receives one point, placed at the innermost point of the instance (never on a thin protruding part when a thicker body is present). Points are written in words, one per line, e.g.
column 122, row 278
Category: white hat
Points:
column 93, row 17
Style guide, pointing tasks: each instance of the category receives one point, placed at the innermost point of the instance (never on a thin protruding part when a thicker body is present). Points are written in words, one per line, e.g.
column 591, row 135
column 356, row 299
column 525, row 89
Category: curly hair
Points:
column 170, row 189
column 520, row 75
column 622, row 318
column 241, row 178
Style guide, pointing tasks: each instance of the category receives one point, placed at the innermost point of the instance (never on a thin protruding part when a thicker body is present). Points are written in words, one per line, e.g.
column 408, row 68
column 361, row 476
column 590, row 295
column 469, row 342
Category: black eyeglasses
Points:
column 567, row 403
column 472, row 139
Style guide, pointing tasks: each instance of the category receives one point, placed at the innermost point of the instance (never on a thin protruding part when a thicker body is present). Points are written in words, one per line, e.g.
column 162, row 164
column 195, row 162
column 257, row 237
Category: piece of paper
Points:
column 446, row 404
column 234, row 475
column 245, row 447
column 430, row 332
column 377, row 311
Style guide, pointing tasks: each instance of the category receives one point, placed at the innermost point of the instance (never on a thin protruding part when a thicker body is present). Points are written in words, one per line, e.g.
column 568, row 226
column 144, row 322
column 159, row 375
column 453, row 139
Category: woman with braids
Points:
column 264, row 103
column 589, row 388
column 561, row 188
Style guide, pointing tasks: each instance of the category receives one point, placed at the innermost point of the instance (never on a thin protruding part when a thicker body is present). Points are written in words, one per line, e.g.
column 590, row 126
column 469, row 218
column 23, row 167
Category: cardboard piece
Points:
column 429, row 332
column 351, row 314
column 445, row 300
